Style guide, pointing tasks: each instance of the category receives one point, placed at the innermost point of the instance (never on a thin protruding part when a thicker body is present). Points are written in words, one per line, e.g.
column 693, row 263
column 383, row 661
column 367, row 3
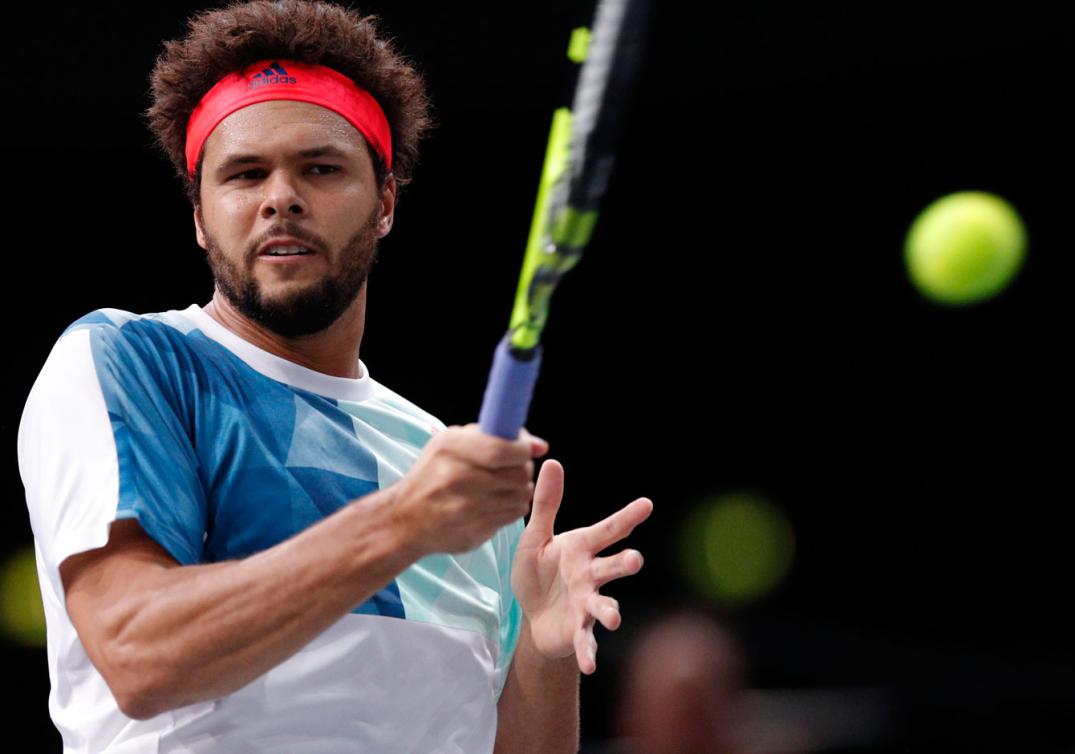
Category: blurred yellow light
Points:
column 22, row 616
column 736, row 548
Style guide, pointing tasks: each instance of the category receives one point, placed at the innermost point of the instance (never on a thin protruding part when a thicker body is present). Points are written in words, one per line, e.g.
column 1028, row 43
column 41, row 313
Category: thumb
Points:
column 548, row 492
column 538, row 445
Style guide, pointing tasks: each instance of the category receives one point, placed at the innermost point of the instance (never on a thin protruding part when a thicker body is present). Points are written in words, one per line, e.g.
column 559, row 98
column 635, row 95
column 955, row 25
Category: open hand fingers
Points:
column 605, row 610
column 610, row 530
column 586, row 648
column 626, row 563
column 548, row 493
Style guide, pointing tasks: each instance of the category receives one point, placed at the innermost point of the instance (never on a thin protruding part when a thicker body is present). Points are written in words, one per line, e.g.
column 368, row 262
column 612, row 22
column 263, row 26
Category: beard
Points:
column 311, row 309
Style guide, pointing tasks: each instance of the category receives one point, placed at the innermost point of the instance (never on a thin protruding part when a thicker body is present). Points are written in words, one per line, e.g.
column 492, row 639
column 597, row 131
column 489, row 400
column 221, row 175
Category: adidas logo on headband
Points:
column 305, row 82
column 274, row 74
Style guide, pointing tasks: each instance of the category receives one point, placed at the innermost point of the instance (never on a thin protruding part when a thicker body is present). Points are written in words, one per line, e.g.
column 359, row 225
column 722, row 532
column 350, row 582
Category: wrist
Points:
column 538, row 710
column 527, row 651
column 401, row 525
column 381, row 531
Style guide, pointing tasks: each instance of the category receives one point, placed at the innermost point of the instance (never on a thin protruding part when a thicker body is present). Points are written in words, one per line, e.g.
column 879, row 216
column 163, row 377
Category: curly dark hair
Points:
column 227, row 39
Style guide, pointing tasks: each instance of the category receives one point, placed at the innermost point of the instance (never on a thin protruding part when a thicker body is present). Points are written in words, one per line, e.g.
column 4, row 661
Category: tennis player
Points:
column 247, row 544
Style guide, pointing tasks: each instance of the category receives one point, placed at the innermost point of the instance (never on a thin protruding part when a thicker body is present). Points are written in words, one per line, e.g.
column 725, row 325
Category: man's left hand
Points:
column 556, row 577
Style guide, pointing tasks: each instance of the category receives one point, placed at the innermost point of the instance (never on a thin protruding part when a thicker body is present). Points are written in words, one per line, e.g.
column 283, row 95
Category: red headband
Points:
column 288, row 80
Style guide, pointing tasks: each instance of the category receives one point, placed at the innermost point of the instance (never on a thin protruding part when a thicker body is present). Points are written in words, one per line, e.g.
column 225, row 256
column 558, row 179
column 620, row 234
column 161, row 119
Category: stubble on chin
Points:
column 306, row 311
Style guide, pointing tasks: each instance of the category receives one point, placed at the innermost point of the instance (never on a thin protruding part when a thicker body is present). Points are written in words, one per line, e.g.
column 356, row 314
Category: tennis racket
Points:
column 578, row 164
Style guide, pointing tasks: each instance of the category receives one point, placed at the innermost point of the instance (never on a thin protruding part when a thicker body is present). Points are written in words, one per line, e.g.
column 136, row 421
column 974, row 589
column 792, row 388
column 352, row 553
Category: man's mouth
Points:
column 285, row 251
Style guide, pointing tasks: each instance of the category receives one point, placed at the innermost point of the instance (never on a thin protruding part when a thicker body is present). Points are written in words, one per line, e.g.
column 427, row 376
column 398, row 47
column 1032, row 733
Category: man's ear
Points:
column 388, row 206
column 199, row 234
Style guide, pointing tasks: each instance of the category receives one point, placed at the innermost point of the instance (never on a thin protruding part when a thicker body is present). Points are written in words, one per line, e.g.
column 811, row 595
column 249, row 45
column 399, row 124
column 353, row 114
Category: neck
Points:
column 333, row 351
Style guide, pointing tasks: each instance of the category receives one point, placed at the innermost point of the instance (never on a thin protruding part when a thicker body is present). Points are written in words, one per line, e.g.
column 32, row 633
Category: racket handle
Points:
column 509, row 390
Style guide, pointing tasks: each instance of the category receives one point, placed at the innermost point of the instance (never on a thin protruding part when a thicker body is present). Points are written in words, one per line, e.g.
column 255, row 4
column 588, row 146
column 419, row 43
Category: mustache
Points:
column 288, row 228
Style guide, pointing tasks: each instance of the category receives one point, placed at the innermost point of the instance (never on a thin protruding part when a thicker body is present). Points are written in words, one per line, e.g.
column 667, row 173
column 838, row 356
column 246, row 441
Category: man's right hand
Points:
column 165, row 636
column 464, row 486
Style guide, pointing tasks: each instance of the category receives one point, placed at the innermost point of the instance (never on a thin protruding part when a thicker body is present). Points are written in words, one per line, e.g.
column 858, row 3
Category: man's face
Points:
column 329, row 203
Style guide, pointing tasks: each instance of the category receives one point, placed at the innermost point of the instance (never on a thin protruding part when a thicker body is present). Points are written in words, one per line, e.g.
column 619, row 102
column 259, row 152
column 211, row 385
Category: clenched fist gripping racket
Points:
column 578, row 163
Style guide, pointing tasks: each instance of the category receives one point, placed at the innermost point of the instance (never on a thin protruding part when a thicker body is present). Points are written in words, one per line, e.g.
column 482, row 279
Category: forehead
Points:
column 266, row 127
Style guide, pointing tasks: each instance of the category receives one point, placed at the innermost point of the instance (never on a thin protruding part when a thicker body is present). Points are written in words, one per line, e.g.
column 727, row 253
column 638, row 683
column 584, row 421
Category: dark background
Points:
column 742, row 319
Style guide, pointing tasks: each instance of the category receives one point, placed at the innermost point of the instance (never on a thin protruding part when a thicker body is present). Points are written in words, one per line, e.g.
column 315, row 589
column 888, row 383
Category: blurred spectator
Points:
column 683, row 679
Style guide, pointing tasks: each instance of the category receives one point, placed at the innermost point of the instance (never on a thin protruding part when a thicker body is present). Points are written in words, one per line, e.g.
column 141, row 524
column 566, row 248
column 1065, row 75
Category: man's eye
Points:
column 320, row 170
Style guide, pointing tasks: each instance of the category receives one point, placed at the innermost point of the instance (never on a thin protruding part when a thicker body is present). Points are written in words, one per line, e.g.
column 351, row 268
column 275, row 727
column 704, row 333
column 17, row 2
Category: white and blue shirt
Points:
column 220, row 450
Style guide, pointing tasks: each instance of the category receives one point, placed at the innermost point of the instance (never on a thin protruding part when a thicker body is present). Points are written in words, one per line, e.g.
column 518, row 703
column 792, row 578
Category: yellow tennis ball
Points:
column 965, row 247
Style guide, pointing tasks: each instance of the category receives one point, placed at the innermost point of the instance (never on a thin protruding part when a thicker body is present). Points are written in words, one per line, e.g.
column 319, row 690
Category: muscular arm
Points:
column 165, row 635
column 538, row 709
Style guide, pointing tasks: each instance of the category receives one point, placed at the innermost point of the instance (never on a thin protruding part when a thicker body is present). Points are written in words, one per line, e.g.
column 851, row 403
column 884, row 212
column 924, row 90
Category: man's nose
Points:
column 282, row 196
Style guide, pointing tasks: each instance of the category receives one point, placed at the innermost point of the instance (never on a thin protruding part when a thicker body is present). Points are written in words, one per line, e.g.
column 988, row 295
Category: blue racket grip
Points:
column 509, row 390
